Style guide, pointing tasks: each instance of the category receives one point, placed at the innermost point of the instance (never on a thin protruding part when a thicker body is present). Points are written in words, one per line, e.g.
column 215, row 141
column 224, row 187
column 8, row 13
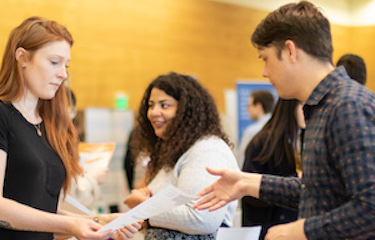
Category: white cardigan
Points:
column 190, row 175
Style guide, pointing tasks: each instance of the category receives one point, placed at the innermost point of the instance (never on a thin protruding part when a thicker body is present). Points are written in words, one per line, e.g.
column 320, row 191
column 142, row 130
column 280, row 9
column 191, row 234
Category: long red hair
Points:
column 32, row 35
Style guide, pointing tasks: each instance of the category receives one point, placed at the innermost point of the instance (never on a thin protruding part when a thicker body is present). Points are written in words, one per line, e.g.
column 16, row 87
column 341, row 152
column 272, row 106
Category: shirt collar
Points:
column 326, row 85
column 266, row 117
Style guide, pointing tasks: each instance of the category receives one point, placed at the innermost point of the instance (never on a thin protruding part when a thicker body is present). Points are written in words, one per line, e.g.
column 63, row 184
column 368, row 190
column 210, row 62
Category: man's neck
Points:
column 313, row 73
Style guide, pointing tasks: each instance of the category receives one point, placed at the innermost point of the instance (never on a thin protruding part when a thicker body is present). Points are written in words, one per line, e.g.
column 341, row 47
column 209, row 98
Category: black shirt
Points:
column 34, row 172
column 257, row 212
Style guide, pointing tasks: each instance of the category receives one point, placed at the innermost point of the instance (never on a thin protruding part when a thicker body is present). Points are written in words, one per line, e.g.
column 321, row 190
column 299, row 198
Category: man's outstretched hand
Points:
column 230, row 186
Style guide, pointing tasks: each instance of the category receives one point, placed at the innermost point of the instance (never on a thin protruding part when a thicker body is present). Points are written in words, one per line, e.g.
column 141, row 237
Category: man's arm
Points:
column 232, row 185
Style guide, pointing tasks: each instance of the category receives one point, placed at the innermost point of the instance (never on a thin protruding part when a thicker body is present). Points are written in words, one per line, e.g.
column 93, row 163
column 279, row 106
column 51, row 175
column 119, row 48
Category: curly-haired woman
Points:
column 178, row 126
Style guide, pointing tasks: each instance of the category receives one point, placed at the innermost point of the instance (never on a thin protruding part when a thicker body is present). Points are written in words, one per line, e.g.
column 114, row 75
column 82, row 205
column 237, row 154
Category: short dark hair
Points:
column 302, row 23
column 355, row 67
column 265, row 98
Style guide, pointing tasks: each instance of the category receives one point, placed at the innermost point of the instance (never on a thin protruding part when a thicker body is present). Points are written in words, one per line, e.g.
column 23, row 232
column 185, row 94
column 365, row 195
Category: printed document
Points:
column 163, row 201
column 72, row 205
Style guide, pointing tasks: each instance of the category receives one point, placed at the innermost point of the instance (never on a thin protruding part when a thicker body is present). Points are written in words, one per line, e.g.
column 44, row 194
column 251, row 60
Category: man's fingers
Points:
column 204, row 200
column 214, row 171
column 217, row 206
column 208, row 189
column 205, row 191
column 207, row 202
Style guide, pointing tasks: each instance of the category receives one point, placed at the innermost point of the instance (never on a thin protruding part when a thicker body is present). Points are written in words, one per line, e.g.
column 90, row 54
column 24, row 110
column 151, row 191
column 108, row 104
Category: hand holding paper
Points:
column 137, row 196
column 165, row 200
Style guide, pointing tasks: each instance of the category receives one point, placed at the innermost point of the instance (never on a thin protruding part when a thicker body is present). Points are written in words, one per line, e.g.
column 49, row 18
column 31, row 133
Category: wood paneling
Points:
column 122, row 45
column 363, row 44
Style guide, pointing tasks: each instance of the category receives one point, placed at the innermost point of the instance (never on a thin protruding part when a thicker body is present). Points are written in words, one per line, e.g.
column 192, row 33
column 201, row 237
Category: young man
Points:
column 259, row 108
column 336, row 195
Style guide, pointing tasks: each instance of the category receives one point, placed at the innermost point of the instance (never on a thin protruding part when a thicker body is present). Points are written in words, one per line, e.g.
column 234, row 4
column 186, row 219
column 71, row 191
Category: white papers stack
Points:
column 163, row 201
column 72, row 205
column 244, row 233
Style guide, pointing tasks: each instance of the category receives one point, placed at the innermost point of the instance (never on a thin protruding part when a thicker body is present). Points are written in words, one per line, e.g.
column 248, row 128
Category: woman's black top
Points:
column 34, row 172
column 254, row 211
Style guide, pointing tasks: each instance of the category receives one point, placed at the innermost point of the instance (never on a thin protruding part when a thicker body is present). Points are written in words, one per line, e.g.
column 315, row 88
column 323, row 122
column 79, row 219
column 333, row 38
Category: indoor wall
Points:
column 121, row 45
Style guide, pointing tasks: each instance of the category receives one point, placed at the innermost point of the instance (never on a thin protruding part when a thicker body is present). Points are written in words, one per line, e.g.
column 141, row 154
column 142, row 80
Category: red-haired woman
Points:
column 38, row 143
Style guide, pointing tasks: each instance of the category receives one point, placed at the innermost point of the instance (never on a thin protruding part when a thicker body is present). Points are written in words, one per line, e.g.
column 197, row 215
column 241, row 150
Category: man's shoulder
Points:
column 347, row 98
column 351, row 91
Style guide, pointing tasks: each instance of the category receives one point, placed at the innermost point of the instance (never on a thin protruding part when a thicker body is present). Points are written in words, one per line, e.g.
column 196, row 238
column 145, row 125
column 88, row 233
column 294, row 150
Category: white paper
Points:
column 70, row 202
column 163, row 201
column 244, row 233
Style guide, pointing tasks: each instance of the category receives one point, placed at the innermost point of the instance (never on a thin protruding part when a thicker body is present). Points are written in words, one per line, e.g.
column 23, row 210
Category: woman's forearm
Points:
column 17, row 216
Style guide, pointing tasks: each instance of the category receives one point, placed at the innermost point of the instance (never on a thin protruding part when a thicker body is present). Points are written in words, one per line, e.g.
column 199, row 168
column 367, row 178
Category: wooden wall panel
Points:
column 121, row 45
column 341, row 40
column 364, row 45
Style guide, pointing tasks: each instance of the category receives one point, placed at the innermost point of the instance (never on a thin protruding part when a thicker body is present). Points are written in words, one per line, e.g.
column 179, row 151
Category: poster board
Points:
column 244, row 89
column 95, row 155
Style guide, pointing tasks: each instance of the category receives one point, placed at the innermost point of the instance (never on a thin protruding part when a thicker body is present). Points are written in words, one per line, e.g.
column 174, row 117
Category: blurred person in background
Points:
column 355, row 67
column 274, row 150
column 260, row 107
column 86, row 189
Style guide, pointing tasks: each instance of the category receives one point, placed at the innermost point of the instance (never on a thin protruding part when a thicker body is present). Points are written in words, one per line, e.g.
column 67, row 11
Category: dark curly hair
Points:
column 196, row 117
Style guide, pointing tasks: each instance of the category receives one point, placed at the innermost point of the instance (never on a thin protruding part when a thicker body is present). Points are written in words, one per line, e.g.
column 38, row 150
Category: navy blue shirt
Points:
column 337, row 192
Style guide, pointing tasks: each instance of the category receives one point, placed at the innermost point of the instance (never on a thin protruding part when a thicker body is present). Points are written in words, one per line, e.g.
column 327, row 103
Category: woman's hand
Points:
column 83, row 228
column 122, row 233
column 127, row 232
column 138, row 196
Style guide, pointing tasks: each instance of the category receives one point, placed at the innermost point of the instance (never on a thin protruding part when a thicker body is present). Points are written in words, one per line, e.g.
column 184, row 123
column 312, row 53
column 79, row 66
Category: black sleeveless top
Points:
column 34, row 172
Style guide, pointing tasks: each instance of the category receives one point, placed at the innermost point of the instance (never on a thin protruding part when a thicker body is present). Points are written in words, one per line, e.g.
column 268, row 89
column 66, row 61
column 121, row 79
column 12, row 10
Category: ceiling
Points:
column 343, row 12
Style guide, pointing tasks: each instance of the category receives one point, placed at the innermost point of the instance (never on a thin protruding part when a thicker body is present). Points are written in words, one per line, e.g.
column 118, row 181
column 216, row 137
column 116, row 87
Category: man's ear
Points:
column 21, row 56
column 291, row 51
